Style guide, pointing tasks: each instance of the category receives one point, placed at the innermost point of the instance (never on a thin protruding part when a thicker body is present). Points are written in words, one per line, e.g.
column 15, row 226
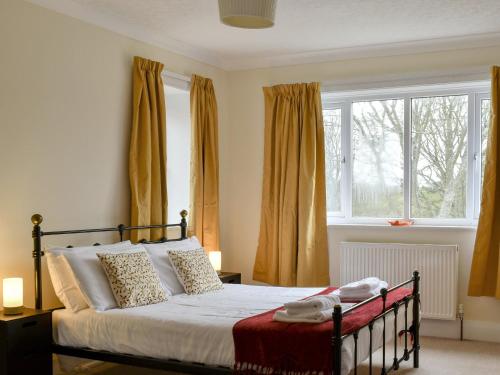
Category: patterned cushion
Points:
column 132, row 278
column 194, row 270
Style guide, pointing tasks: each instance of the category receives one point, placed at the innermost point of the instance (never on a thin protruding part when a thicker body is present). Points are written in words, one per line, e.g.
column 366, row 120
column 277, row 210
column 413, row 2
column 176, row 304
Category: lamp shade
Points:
column 216, row 260
column 13, row 295
column 248, row 14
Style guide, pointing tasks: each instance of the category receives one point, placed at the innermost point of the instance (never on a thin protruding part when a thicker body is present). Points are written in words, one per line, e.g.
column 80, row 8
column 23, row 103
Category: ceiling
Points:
column 305, row 31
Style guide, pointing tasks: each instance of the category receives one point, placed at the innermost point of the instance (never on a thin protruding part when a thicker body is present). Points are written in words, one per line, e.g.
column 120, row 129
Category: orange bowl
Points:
column 400, row 222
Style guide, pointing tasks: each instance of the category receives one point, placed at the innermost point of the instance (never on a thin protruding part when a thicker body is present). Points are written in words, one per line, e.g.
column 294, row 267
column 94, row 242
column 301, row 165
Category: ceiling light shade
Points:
column 248, row 14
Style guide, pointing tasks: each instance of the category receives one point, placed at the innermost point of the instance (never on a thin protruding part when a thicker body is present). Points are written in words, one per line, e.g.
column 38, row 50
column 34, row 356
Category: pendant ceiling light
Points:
column 247, row 14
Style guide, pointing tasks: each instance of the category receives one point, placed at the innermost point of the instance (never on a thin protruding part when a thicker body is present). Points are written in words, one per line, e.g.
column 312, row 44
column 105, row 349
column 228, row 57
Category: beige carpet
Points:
column 447, row 357
column 438, row 357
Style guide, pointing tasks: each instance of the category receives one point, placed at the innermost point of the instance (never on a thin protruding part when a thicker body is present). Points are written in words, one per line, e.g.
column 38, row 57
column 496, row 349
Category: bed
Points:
column 194, row 333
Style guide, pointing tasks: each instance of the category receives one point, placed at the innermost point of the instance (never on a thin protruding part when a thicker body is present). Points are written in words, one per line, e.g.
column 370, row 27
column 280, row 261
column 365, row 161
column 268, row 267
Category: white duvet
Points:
column 195, row 328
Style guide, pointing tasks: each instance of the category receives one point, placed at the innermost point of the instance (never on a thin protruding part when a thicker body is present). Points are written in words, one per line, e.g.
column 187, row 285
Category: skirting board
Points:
column 475, row 330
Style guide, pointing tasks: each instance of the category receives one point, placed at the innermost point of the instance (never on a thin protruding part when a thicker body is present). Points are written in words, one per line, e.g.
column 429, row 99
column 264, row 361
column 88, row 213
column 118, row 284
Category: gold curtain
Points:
column 147, row 157
column 204, row 199
column 485, row 270
column 292, row 249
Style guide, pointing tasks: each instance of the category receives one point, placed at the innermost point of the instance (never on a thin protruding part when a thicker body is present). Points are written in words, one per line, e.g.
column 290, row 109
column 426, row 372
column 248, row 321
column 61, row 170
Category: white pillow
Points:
column 91, row 277
column 159, row 257
column 63, row 279
column 65, row 250
column 64, row 283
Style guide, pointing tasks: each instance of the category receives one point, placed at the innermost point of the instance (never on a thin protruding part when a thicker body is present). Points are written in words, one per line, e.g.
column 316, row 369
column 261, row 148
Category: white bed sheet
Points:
column 195, row 328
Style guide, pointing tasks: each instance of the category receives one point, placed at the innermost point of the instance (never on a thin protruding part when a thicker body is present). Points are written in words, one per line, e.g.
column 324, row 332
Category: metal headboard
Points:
column 37, row 235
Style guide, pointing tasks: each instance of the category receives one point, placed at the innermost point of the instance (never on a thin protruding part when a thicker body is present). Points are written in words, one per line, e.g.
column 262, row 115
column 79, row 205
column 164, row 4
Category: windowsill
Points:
column 400, row 228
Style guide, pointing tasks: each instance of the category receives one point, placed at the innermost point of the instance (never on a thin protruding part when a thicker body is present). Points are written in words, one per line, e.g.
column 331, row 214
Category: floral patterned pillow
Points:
column 194, row 271
column 132, row 278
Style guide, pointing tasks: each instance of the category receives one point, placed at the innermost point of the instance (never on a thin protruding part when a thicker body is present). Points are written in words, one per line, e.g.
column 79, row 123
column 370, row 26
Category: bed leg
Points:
column 416, row 318
column 337, row 340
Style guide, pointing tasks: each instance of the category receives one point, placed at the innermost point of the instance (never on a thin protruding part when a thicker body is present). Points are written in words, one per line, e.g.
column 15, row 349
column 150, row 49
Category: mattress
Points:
column 194, row 328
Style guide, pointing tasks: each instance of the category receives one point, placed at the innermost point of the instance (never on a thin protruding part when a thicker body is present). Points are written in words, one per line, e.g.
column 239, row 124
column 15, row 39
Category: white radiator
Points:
column 437, row 264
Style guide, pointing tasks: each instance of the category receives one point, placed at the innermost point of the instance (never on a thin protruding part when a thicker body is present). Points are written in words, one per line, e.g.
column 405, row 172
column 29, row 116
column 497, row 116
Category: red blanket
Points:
column 263, row 346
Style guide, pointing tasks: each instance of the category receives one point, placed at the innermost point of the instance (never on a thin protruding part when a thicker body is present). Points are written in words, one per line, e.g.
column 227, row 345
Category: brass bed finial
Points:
column 183, row 213
column 36, row 219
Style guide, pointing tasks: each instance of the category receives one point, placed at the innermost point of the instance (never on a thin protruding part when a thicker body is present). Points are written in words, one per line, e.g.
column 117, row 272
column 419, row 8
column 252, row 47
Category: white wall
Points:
column 65, row 115
column 243, row 177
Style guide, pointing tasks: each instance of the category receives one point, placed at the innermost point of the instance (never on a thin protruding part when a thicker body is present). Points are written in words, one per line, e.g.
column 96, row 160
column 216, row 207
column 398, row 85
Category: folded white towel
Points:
column 355, row 295
column 312, row 304
column 316, row 317
column 363, row 285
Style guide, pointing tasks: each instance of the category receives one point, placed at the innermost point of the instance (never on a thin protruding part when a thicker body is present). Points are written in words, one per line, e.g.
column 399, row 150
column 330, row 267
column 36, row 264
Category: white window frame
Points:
column 475, row 90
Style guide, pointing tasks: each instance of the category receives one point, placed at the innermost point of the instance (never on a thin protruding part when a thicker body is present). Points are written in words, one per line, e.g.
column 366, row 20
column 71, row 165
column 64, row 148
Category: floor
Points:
column 438, row 356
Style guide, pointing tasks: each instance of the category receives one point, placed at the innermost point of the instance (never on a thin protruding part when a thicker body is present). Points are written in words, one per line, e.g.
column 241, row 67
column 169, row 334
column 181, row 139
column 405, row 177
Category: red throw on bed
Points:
column 263, row 346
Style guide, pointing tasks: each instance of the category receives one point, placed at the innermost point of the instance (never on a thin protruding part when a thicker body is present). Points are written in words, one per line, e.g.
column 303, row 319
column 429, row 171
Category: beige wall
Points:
column 65, row 103
column 243, row 177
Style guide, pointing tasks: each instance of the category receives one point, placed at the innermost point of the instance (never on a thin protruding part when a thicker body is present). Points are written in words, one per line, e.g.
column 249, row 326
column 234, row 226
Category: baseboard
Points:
column 449, row 329
column 479, row 330
column 475, row 330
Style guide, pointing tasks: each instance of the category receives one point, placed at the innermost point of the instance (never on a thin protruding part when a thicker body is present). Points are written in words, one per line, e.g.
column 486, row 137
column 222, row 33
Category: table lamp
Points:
column 13, row 296
column 215, row 259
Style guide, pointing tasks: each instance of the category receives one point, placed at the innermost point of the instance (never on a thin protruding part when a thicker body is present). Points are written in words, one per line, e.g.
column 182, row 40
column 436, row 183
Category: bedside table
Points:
column 230, row 277
column 25, row 343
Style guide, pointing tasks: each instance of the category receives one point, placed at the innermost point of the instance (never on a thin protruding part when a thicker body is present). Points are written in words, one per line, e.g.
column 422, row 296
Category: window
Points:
column 485, row 125
column 178, row 150
column 332, row 123
column 439, row 156
column 415, row 153
column 377, row 158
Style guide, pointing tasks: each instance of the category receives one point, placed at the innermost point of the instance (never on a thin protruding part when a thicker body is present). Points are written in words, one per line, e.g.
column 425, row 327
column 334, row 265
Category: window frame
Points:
column 476, row 91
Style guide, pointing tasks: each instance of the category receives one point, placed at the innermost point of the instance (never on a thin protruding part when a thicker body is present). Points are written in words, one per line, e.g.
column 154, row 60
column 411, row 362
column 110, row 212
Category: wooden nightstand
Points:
column 230, row 277
column 25, row 343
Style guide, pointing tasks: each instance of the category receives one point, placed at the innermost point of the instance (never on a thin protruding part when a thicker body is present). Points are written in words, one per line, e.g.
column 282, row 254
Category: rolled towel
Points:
column 363, row 285
column 312, row 304
column 316, row 317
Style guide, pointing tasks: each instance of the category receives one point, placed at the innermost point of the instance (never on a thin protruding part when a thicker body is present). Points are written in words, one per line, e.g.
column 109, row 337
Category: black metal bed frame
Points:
column 200, row 368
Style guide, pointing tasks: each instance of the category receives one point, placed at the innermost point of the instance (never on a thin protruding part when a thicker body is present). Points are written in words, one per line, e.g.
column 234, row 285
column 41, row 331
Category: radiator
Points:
column 438, row 266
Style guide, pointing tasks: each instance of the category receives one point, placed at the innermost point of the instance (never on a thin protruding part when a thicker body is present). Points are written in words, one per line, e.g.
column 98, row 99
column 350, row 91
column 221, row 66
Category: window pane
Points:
column 439, row 157
column 485, row 126
column 377, row 156
column 333, row 166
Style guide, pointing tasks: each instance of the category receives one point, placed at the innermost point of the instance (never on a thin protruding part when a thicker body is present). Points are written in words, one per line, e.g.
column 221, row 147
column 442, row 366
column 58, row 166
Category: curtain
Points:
column 204, row 197
column 485, row 270
column 147, row 157
column 292, row 249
